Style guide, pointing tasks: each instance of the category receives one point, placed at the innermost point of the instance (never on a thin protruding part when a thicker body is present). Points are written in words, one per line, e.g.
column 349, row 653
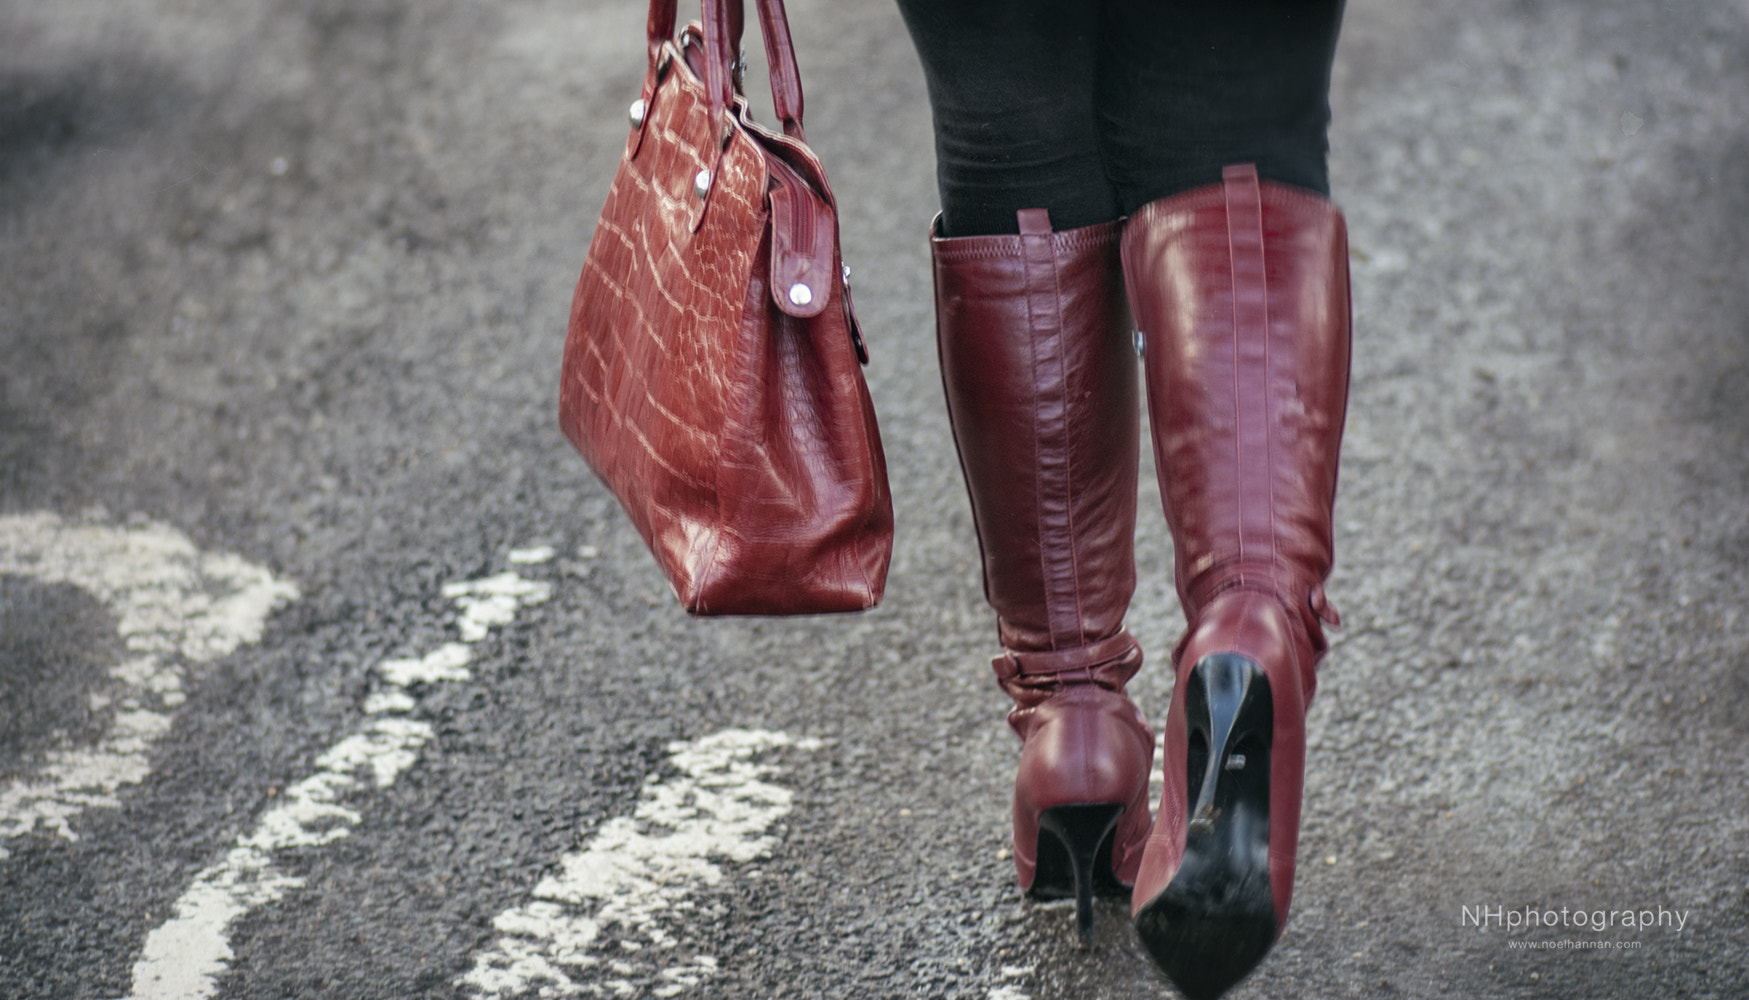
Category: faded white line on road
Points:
column 491, row 601
column 184, row 958
column 174, row 606
column 618, row 903
column 1009, row 991
column 448, row 662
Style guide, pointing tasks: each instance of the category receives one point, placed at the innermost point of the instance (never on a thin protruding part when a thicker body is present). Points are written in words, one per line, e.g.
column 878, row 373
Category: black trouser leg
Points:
column 1092, row 110
column 1186, row 87
column 1011, row 85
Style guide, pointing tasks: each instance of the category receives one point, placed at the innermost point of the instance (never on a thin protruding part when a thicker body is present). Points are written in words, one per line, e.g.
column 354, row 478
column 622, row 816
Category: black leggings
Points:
column 1092, row 109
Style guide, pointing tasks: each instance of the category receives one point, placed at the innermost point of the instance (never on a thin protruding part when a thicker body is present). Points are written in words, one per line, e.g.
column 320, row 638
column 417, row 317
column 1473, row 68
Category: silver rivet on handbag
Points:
column 1141, row 344
column 701, row 184
column 637, row 113
column 800, row 294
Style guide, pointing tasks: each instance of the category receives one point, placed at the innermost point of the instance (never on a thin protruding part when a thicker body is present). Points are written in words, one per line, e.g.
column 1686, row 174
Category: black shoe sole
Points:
column 1215, row 921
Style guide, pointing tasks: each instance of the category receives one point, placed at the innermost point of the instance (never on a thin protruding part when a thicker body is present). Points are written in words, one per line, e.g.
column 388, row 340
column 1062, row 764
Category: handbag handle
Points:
column 723, row 21
column 786, row 78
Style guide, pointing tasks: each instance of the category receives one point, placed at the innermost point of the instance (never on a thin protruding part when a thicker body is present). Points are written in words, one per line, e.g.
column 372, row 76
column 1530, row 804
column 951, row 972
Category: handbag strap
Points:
column 786, row 78
column 723, row 21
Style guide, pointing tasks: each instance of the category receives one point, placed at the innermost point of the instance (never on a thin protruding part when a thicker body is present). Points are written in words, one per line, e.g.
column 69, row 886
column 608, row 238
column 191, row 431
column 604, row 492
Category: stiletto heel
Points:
column 1083, row 833
column 1216, row 919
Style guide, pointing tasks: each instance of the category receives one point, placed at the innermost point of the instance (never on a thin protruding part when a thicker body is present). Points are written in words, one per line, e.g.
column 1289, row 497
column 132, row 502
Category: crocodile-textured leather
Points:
column 1241, row 290
column 1040, row 374
column 726, row 411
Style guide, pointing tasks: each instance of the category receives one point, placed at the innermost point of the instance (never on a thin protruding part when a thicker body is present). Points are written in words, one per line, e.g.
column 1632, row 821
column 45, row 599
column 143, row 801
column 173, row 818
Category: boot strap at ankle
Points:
column 1063, row 664
column 1296, row 591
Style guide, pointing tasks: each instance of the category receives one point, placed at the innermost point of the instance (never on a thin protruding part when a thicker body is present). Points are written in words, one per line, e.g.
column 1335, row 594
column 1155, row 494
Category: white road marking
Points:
column 1009, row 991
column 174, row 606
column 184, row 958
column 491, row 601
column 448, row 662
column 619, row 902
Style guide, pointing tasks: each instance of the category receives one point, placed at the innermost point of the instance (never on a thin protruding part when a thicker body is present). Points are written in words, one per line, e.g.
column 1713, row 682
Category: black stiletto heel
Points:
column 1216, row 919
column 1083, row 834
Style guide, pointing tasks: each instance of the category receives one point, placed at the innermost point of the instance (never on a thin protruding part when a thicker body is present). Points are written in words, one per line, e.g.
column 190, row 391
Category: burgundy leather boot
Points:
column 1241, row 290
column 1039, row 367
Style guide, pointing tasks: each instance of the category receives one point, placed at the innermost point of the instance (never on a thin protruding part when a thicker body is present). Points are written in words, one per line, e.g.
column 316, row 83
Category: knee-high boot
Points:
column 1037, row 361
column 1241, row 291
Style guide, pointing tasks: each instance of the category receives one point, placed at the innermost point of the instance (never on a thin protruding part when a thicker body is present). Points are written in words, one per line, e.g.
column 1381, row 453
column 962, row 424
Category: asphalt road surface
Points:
column 326, row 669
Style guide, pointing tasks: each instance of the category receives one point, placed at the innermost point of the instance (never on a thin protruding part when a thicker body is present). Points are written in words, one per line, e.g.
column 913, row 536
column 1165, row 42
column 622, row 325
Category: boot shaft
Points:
column 1036, row 360
column 1242, row 294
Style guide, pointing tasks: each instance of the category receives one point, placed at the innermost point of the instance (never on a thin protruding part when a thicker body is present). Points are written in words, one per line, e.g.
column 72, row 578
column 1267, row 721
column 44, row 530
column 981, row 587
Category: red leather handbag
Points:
column 712, row 373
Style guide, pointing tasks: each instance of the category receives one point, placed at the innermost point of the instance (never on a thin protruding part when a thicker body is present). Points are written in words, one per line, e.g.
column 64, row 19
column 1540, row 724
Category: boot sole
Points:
column 1215, row 921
